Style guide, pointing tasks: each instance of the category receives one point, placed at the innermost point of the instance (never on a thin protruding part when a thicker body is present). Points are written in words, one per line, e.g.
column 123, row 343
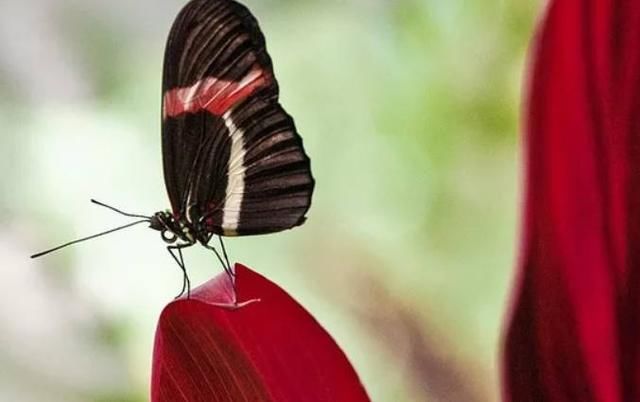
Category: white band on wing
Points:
column 235, row 178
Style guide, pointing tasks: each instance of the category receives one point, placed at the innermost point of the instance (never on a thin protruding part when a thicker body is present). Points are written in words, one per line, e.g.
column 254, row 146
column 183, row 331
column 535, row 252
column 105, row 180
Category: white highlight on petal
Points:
column 235, row 179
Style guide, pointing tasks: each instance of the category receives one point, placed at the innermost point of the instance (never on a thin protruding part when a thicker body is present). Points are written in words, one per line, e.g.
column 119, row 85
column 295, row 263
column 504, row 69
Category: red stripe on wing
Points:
column 213, row 94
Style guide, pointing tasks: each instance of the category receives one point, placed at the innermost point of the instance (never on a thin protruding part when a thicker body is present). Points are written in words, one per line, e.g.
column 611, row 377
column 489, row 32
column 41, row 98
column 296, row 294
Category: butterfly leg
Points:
column 186, row 283
column 227, row 269
column 224, row 252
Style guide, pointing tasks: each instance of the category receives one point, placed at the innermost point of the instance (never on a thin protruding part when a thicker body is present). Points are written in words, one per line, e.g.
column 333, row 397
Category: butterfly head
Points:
column 170, row 229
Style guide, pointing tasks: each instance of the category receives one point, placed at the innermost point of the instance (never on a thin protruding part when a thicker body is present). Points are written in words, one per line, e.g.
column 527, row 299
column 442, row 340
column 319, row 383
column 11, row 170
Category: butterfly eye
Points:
column 168, row 236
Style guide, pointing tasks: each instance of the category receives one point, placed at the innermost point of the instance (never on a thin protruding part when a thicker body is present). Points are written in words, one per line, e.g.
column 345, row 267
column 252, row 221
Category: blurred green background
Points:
column 410, row 112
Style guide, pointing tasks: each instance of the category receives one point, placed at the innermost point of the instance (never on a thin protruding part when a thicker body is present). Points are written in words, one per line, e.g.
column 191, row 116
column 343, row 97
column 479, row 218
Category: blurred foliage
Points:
column 409, row 110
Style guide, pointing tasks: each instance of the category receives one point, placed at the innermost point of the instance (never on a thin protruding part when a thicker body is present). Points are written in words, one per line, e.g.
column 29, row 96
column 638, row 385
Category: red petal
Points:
column 573, row 334
column 270, row 350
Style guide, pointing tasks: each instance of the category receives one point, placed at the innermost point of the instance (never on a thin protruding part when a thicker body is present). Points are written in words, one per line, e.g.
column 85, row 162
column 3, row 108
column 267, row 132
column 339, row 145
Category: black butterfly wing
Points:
column 233, row 161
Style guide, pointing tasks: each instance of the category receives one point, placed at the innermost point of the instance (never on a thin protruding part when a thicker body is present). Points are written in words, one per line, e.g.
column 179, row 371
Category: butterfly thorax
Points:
column 172, row 229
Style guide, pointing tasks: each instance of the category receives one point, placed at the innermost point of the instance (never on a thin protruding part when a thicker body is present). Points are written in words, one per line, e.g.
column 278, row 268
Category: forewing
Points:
column 232, row 157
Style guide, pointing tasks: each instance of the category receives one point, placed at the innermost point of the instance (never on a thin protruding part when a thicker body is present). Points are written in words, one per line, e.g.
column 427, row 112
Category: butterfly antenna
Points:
column 40, row 254
column 102, row 204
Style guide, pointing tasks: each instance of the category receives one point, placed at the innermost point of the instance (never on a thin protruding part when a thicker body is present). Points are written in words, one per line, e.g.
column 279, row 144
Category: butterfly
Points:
column 234, row 163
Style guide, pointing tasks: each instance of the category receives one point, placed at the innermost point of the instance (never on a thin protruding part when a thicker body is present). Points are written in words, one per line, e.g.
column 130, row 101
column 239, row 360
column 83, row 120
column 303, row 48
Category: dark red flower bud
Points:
column 270, row 349
column 574, row 332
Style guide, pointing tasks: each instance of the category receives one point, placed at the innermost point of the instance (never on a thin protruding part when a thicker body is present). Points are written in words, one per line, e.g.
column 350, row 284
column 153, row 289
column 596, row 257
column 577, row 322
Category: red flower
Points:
column 268, row 350
column 574, row 330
